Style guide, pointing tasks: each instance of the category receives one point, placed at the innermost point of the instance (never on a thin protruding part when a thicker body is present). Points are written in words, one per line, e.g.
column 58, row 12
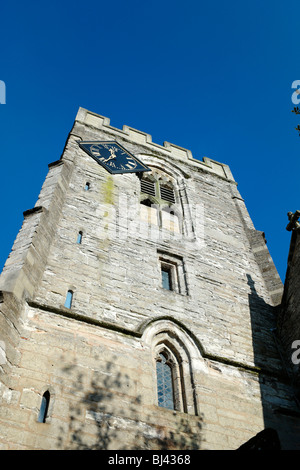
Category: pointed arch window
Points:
column 175, row 360
column 169, row 379
column 165, row 389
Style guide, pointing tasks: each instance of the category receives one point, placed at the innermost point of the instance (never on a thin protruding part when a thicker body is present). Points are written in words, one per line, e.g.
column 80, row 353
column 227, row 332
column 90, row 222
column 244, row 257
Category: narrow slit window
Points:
column 165, row 388
column 79, row 238
column 44, row 407
column 69, row 298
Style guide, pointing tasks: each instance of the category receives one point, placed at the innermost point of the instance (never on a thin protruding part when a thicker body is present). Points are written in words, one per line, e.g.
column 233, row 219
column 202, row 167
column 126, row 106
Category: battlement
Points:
column 174, row 151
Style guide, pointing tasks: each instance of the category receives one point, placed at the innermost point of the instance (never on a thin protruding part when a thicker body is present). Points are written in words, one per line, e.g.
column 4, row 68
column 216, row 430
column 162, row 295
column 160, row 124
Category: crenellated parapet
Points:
column 175, row 152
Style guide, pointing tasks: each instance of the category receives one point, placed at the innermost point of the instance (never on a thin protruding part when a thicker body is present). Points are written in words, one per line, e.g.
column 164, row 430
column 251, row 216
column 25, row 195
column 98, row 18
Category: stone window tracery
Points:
column 175, row 353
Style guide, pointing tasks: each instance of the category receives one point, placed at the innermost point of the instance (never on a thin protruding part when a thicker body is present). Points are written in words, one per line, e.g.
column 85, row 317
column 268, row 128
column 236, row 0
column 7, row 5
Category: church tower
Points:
column 138, row 306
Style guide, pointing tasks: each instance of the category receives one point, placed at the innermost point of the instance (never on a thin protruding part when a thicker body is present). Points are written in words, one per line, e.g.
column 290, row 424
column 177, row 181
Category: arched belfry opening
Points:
column 160, row 201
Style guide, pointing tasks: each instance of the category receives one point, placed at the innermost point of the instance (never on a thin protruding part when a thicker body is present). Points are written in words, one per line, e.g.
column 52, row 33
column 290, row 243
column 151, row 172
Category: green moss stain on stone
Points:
column 108, row 191
column 107, row 198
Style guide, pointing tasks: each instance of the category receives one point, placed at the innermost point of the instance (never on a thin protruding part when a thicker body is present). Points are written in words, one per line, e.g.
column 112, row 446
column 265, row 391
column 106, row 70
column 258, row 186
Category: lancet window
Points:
column 169, row 379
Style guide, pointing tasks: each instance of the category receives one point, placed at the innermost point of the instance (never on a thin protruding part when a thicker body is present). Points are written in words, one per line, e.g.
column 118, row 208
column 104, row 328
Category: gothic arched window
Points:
column 165, row 389
column 169, row 379
column 175, row 359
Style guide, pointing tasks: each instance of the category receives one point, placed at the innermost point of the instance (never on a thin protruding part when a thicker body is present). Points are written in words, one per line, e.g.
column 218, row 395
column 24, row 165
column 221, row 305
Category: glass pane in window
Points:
column 166, row 278
column 44, row 408
column 68, row 301
column 164, row 384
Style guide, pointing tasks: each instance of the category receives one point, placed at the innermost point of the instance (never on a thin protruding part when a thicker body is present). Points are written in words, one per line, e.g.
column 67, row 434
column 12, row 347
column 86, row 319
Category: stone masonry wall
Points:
column 288, row 321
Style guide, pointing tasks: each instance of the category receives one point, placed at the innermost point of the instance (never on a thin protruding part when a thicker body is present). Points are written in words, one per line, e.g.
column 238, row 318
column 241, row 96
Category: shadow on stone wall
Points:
column 102, row 417
column 280, row 410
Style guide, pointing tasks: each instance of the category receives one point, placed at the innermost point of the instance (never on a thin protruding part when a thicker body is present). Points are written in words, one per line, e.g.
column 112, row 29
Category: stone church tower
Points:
column 138, row 308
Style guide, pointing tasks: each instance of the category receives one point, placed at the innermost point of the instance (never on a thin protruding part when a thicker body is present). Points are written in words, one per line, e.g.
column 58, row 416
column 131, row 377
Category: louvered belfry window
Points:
column 159, row 195
column 158, row 189
column 167, row 194
column 148, row 187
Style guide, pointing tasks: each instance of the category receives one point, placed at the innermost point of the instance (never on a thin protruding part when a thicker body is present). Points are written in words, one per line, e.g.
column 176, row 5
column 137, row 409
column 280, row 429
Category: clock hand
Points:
column 112, row 155
column 109, row 158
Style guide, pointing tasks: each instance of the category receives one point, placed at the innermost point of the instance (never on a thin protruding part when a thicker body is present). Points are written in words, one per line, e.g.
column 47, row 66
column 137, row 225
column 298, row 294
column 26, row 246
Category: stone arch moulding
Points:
column 161, row 164
column 164, row 333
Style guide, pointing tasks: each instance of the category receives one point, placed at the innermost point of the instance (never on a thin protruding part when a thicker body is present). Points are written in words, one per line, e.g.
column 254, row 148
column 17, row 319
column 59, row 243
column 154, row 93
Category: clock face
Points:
column 113, row 157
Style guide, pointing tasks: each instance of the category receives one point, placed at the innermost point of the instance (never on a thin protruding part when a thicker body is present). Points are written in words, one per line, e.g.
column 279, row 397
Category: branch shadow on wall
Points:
column 103, row 417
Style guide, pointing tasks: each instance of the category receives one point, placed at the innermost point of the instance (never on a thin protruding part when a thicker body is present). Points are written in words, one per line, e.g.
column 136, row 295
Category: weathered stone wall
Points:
column 288, row 321
column 102, row 394
column 97, row 359
column 18, row 281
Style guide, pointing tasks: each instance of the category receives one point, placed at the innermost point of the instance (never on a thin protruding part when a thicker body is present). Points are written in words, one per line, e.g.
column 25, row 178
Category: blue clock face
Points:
column 113, row 157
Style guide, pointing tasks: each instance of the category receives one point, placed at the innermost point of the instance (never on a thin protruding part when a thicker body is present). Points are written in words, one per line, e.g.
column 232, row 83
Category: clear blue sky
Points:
column 214, row 77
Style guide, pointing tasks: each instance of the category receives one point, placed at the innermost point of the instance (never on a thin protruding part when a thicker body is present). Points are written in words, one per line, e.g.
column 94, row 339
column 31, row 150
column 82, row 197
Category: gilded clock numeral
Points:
column 95, row 151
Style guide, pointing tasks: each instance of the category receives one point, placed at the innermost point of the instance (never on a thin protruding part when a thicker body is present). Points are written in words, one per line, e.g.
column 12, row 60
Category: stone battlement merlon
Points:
column 97, row 121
